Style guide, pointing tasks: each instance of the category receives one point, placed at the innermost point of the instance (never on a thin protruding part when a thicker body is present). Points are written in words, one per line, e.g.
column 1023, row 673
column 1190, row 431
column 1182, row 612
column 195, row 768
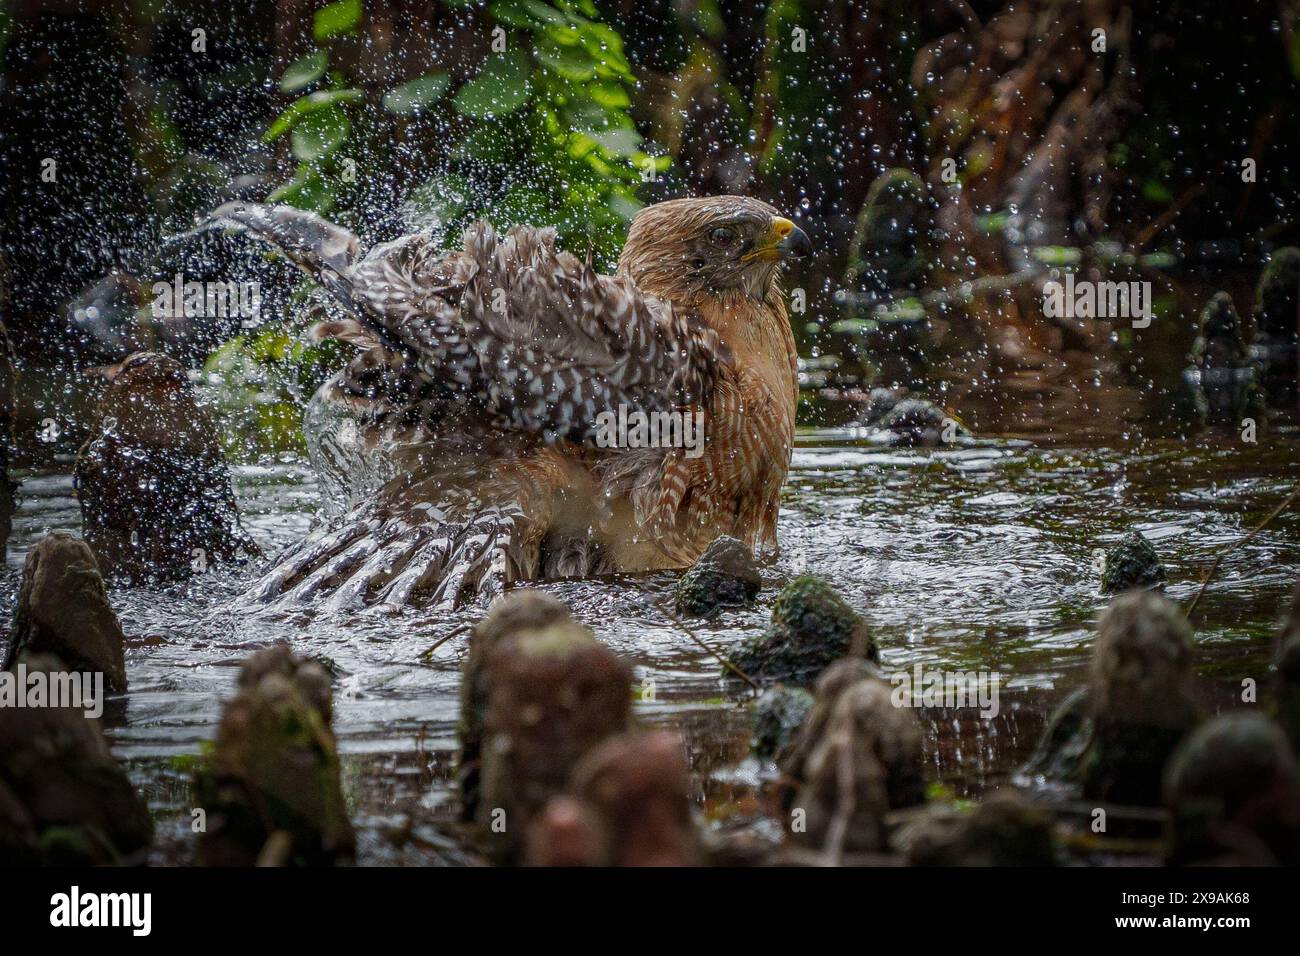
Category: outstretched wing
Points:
column 530, row 334
column 310, row 242
column 507, row 336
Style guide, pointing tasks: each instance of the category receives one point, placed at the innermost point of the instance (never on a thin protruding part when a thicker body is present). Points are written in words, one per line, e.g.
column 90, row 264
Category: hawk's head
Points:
column 685, row 247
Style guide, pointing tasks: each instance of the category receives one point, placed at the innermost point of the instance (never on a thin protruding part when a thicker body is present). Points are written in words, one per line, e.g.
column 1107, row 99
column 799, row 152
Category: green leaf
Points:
column 570, row 62
column 304, row 72
column 708, row 18
column 340, row 17
column 522, row 205
column 417, row 94
column 271, row 344
column 319, row 134
column 500, row 88
column 624, row 206
column 908, row 309
column 605, row 46
column 1159, row 260
column 851, row 326
column 524, row 14
column 1157, row 191
column 307, row 190
column 486, row 144
column 306, row 105
column 992, row 222
column 609, row 94
column 582, row 113
column 620, row 142
column 1057, row 255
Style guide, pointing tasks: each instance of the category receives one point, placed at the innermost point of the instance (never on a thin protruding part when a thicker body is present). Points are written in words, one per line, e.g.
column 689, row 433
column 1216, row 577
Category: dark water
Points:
column 971, row 558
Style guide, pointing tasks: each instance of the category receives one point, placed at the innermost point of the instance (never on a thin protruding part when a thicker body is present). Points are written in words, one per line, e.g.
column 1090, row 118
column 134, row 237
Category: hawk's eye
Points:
column 722, row 236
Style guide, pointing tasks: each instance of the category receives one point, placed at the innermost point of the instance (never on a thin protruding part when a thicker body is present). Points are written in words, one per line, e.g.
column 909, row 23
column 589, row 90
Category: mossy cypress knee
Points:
column 812, row 627
column 1233, row 788
column 1141, row 697
column 552, row 693
column 153, row 486
column 1132, row 564
column 519, row 611
column 1004, row 829
column 66, row 798
column 724, row 576
column 63, row 610
column 777, row 715
column 854, row 724
column 1278, row 295
column 1219, row 340
column 272, row 784
column 631, row 793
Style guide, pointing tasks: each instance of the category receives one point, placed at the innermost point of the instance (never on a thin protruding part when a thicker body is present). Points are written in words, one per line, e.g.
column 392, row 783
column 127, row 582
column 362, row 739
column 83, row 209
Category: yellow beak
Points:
column 781, row 228
column 783, row 240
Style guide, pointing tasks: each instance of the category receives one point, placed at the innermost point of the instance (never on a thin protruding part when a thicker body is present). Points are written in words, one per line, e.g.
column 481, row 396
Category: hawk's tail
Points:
column 427, row 559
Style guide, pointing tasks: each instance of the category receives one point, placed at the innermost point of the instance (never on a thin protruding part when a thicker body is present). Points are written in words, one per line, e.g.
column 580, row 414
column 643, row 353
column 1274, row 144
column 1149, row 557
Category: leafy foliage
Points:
column 260, row 381
column 543, row 136
column 542, row 127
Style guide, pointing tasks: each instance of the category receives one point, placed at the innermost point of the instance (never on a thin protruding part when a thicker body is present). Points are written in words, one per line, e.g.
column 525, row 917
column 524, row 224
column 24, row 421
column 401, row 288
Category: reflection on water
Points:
column 975, row 558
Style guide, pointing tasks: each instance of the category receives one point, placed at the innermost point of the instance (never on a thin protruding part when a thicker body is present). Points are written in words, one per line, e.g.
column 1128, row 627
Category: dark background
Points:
column 1053, row 143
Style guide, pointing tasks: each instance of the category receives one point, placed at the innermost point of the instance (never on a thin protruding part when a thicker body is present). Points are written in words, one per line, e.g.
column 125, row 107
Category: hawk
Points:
column 489, row 377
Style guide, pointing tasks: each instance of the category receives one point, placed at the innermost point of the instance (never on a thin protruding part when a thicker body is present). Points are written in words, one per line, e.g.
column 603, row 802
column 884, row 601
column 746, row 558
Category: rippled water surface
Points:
column 976, row 558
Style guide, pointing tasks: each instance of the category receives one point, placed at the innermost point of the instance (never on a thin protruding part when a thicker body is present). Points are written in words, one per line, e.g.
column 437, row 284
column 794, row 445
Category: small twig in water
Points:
column 712, row 653
column 428, row 654
column 1205, row 582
